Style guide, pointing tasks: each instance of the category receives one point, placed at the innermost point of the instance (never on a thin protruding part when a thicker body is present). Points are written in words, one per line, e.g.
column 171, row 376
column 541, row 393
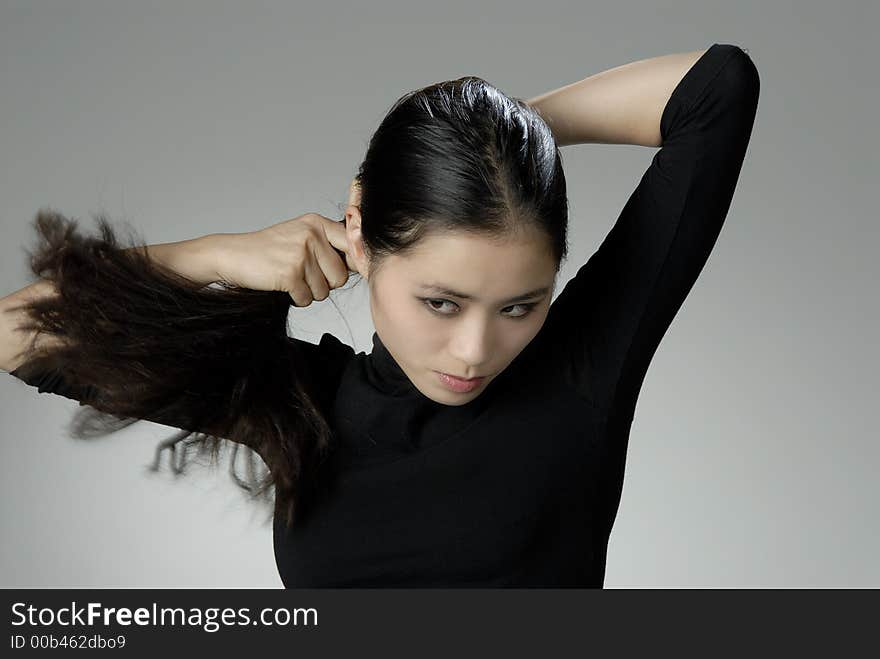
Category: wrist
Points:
column 206, row 253
column 197, row 259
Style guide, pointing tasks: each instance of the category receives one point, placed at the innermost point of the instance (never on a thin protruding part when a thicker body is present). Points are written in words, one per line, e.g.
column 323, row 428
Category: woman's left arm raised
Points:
column 699, row 108
column 622, row 105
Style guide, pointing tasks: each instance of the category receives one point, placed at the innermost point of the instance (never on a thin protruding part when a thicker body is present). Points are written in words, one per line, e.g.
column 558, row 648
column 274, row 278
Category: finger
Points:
column 331, row 263
column 338, row 239
column 300, row 292
column 315, row 279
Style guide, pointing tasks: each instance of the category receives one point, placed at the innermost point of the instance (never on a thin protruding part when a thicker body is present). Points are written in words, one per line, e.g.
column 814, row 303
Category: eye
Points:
column 435, row 305
column 527, row 309
column 430, row 303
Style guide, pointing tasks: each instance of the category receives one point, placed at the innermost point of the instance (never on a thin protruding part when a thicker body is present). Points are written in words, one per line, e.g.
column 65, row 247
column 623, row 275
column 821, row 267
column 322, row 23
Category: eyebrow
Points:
column 439, row 289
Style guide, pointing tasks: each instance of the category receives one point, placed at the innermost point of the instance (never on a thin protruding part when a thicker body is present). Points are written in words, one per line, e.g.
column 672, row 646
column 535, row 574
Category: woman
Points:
column 483, row 440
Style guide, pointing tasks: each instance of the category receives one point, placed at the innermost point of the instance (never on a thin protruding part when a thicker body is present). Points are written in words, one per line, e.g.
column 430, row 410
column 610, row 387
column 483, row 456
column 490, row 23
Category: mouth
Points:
column 456, row 377
column 459, row 385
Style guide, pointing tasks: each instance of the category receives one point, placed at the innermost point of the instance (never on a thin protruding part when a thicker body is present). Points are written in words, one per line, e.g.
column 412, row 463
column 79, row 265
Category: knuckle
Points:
column 313, row 220
column 314, row 232
column 294, row 271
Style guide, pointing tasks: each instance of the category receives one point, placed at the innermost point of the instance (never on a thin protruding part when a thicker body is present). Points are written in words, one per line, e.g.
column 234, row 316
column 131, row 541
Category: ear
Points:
column 357, row 253
column 354, row 193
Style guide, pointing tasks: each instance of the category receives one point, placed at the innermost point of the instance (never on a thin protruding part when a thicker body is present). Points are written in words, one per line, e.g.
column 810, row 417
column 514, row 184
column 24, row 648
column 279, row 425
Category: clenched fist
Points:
column 306, row 256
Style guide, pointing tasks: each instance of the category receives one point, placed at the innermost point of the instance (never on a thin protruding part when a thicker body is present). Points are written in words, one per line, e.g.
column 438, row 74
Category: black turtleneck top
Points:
column 520, row 486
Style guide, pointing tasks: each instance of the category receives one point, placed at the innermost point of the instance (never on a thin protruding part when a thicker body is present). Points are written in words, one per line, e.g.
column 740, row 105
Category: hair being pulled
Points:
column 135, row 340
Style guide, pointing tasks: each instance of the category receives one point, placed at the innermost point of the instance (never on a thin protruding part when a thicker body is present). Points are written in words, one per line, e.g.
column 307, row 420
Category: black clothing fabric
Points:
column 520, row 487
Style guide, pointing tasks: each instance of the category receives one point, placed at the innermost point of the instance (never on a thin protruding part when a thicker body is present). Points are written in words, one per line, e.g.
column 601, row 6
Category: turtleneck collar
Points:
column 382, row 415
column 386, row 375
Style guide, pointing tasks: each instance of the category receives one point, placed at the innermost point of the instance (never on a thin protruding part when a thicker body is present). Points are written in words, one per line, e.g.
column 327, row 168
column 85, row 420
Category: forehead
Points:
column 478, row 264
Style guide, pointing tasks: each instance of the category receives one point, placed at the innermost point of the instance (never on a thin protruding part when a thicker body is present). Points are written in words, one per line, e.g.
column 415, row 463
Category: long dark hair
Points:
column 148, row 343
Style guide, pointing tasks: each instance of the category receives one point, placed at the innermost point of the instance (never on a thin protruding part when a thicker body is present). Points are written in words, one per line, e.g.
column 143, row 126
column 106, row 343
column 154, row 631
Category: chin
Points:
column 460, row 399
column 442, row 397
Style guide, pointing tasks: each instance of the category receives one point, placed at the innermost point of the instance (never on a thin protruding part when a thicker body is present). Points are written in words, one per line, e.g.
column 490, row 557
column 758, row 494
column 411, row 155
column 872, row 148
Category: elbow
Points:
column 741, row 77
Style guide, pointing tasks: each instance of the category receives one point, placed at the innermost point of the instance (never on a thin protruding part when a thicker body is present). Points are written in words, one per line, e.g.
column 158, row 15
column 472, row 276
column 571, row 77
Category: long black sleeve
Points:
column 54, row 382
column 322, row 363
column 608, row 320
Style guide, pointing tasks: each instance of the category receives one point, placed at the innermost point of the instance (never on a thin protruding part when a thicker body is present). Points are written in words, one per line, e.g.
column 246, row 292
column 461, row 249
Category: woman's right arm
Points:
column 141, row 335
column 195, row 259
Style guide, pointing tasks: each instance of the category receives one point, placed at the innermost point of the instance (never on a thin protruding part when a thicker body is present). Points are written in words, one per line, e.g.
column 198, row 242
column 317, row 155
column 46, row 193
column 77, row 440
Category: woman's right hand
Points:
column 298, row 256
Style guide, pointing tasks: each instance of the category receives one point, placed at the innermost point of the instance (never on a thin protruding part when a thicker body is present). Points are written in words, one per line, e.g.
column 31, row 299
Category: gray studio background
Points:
column 753, row 455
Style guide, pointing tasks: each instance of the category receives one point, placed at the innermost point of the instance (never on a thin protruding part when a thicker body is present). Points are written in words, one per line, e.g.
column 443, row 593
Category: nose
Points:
column 471, row 346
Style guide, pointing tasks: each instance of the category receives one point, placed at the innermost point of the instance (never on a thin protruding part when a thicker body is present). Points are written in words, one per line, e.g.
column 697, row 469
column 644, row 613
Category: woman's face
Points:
column 462, row 305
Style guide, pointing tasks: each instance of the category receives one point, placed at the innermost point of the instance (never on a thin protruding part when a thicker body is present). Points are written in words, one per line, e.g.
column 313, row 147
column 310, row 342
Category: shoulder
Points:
column 329, row 349
column 325, row 361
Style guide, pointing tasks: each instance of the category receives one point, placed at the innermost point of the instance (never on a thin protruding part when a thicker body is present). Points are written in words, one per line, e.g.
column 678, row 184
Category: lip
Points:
column 459, row 385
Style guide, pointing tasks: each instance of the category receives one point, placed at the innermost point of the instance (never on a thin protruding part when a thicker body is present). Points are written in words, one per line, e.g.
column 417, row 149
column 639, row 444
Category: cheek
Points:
column 402, row 320
column 396, row 310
